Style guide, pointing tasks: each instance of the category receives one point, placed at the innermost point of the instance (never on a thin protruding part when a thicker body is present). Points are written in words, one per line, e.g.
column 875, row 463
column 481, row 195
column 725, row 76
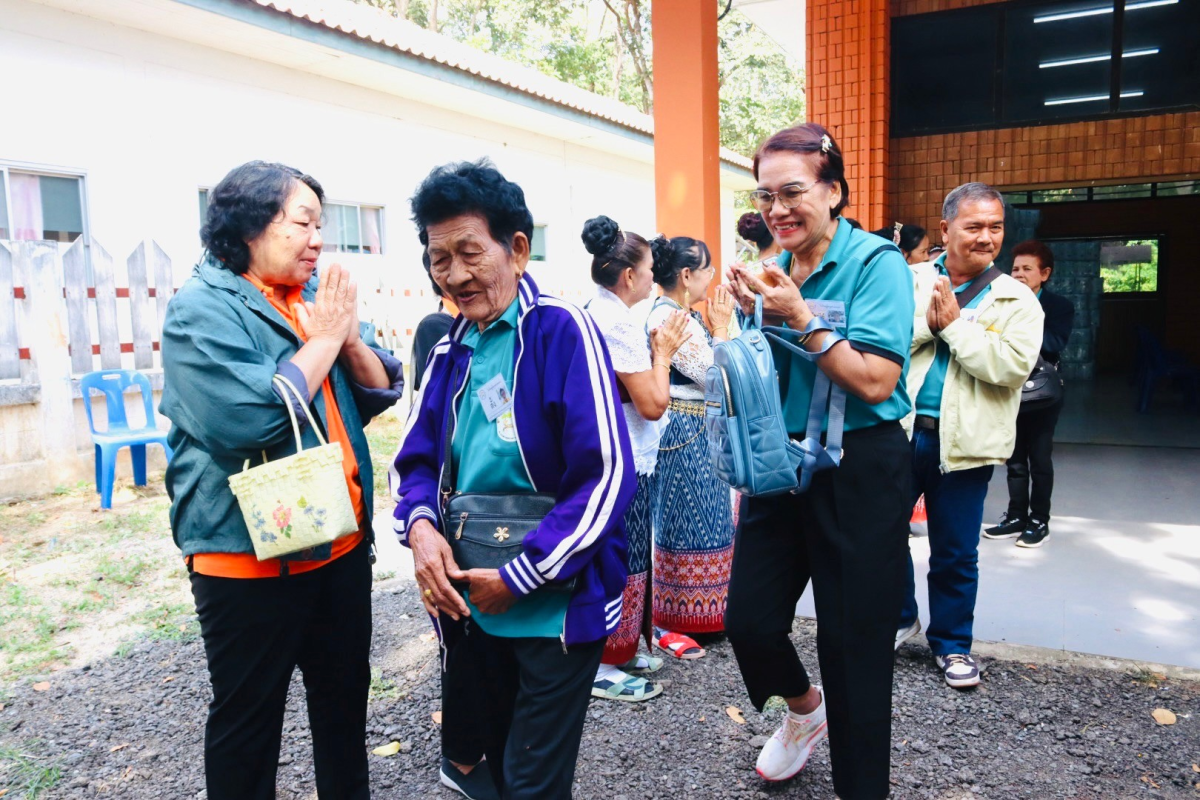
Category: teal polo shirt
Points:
column 929, row 398
column 877, row 308
column 489, row 460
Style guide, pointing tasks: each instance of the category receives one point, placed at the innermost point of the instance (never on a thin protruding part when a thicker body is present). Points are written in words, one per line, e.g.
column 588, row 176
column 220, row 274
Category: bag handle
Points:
column 286, row 387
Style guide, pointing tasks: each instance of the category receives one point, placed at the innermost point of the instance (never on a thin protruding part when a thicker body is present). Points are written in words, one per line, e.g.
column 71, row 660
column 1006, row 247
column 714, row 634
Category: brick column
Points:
column 848, row 46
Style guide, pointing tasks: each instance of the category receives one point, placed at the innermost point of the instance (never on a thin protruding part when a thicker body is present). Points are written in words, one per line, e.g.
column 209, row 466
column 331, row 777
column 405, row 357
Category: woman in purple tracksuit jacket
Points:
column 518, row 666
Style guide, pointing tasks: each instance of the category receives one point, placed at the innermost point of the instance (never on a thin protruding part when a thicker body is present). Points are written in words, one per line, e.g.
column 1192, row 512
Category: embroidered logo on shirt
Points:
column 506, row 427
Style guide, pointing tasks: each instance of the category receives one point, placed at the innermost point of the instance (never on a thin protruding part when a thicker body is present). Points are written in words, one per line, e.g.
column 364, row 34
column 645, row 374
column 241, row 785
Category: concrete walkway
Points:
column 1120, row 575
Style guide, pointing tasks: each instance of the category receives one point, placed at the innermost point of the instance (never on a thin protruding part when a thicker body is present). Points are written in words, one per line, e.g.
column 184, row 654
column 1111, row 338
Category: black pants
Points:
column 519, row 702
column 848, row 535
column 256, row 632
column 1031, row 459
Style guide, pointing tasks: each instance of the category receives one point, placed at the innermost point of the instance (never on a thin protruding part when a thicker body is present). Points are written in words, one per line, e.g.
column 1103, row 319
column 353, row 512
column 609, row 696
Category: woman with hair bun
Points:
column 754, row 230
column 622, row 274
column 849, row 298
column 693, row 527
column 912, row 240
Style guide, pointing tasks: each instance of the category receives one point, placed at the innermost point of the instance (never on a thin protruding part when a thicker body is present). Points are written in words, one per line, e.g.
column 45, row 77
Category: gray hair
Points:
column 970, row 193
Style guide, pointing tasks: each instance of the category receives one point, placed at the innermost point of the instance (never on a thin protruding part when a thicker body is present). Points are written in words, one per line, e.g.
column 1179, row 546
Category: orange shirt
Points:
column 247, row 565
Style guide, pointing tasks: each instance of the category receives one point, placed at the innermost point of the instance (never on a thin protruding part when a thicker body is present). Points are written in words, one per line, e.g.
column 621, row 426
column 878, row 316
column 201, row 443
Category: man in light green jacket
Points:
column 976, row 338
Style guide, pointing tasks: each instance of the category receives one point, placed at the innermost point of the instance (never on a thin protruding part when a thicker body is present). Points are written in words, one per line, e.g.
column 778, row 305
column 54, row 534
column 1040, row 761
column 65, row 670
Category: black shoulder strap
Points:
column 978, row 285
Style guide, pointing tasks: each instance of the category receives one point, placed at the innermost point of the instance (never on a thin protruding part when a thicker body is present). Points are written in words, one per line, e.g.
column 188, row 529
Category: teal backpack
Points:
column 747, row 442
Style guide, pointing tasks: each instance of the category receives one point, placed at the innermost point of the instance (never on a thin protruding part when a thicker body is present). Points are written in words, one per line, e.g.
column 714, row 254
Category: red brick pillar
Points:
column 848, row 51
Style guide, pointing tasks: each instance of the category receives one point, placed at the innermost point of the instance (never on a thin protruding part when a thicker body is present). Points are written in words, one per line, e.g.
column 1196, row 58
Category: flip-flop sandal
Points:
column 680, row 646
column 642, row 664
column 630, row 690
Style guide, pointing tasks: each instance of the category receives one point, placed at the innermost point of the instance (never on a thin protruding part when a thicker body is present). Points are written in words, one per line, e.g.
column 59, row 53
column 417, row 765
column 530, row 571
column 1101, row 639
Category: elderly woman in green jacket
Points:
column 253, row 309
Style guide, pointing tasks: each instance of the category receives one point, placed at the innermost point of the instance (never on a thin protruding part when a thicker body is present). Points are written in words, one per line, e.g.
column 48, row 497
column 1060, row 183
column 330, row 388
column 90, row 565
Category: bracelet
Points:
column 721, row 328
column 666, row 364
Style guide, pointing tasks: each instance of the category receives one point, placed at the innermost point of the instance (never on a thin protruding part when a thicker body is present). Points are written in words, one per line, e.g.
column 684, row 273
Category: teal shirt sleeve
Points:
column 880, row 317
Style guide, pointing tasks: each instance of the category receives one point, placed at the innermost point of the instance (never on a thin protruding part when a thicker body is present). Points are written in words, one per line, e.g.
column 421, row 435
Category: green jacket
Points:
column 222, row 343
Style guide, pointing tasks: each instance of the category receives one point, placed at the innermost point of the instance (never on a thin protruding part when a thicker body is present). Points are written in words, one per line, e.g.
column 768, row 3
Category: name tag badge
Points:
column 832, row 311
column 495, row 398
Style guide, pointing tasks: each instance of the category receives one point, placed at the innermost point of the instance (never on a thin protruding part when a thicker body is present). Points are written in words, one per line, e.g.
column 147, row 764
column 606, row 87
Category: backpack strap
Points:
column 826, row 398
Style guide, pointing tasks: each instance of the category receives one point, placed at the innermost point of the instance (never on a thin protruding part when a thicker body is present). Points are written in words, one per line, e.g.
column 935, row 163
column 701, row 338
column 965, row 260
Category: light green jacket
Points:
column 990, row 359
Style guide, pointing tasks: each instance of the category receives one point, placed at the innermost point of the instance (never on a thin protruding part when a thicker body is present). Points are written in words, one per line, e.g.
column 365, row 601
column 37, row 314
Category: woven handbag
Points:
column 299, row 501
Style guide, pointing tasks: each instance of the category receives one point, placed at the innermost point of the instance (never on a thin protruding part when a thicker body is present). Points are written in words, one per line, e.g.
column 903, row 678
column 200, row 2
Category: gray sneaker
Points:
column 960, row 670
column 904, row 634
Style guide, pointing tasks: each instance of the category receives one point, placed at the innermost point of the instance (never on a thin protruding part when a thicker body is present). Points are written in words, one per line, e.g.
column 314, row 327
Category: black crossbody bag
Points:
column 1043, row 388
column 486, row 530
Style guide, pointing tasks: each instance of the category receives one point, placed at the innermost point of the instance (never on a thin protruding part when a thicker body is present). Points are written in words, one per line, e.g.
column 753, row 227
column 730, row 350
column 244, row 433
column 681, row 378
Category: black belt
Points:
column 928, row 423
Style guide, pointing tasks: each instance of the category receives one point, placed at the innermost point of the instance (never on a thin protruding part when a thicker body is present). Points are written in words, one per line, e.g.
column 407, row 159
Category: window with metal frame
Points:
column 36, row 204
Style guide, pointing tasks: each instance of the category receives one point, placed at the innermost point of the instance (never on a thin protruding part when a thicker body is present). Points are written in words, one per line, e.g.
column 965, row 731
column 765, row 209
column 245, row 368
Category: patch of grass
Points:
column 383, row 437
column 29, row 774
column 169, row 621
column 385, row 576
column 126, row 571
column 35, row 518
column 382, row 688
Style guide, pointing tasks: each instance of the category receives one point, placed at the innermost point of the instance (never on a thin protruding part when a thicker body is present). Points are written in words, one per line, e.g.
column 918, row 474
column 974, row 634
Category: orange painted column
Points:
column 848, row 47
column 687, row 140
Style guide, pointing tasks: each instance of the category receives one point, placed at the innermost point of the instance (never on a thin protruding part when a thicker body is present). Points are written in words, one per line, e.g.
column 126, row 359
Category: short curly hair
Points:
column 472, row 187
column 1032, row 247
column 243, row 204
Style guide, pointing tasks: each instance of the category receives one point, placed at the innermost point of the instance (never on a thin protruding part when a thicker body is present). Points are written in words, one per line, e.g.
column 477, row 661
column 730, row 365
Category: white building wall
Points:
column 150, row 120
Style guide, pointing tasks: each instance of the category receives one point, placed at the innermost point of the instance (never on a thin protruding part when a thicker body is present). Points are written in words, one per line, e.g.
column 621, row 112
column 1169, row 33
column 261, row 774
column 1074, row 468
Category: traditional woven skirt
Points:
column 622, row 643
column 693, row 528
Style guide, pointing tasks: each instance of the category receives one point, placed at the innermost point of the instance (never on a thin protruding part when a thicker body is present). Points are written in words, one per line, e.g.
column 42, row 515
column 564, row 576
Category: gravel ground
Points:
column 132, row 727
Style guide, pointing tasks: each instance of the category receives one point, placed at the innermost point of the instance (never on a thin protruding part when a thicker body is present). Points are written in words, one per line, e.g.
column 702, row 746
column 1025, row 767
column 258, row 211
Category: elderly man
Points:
column 976, row 338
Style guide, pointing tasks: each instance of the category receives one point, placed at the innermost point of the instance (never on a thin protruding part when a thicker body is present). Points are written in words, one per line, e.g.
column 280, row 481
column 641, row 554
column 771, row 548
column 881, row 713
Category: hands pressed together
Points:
column 782, row 301
column 943, row 306
column 435, row 569
column 333, row 313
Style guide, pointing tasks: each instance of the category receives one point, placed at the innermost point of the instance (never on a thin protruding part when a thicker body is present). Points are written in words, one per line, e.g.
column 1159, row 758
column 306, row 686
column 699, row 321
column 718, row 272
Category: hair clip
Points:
column 896, row 233
column 826, row 143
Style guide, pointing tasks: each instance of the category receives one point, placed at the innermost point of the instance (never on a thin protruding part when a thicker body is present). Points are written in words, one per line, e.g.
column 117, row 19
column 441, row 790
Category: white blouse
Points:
column 692, row 359
column 629, row 348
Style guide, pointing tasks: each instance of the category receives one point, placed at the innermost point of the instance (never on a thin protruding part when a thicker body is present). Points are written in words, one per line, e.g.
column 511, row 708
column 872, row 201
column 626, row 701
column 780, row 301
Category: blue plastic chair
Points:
column 112, row 383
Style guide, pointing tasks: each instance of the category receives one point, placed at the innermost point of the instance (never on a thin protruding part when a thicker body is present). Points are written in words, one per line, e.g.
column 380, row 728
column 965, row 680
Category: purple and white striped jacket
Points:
column 573, row 443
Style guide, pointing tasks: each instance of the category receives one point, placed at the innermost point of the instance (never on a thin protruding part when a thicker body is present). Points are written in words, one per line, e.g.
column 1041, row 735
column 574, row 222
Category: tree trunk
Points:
column 433, row 20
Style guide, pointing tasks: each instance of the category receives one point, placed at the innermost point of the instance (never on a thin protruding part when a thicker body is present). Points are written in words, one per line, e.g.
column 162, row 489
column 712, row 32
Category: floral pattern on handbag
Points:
column 297, row 502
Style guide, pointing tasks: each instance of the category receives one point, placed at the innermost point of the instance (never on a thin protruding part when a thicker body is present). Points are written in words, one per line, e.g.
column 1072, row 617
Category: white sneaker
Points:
column 904, row 634
column 960, row 670
column 788, row 750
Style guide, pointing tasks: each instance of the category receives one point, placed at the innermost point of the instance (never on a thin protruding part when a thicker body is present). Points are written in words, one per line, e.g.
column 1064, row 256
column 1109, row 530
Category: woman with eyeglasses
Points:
column 849, row 298
column 693, row 527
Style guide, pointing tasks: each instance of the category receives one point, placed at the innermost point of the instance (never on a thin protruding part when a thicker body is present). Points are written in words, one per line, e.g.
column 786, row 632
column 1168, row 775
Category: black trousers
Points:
column 519, row 702
column 1032, row 461
column 256, row 632
column 848, row 535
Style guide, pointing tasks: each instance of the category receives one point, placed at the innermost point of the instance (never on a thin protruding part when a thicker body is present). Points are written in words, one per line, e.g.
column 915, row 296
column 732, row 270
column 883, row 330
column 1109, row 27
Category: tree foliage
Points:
column 605, row 46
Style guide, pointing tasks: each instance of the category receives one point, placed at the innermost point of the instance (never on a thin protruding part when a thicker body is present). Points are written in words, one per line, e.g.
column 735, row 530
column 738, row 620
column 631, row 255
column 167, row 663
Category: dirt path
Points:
column 132, row 726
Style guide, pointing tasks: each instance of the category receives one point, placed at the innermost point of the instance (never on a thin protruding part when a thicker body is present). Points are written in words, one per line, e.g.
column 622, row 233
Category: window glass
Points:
column 1121, row 192
column 1060, row 195
column 45, row 207
column 203, row 205
column 537, row 247
column 352, row 228
column 926, row 95
column 1129, row 266
column 1058, row 60
column 1161, row 65
column 1178, row 188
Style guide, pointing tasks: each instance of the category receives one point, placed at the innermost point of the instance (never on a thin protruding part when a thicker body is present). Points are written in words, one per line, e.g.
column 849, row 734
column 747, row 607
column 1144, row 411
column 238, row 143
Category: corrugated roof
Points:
column 382, row 28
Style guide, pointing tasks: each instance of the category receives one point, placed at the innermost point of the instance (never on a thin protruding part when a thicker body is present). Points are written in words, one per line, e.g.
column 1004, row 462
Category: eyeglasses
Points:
column 789, row 196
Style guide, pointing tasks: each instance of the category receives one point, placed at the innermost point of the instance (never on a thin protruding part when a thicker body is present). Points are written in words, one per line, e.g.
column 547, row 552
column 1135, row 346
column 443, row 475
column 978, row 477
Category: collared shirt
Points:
column 929, row 399
column 488, row 459
column 872, row 307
